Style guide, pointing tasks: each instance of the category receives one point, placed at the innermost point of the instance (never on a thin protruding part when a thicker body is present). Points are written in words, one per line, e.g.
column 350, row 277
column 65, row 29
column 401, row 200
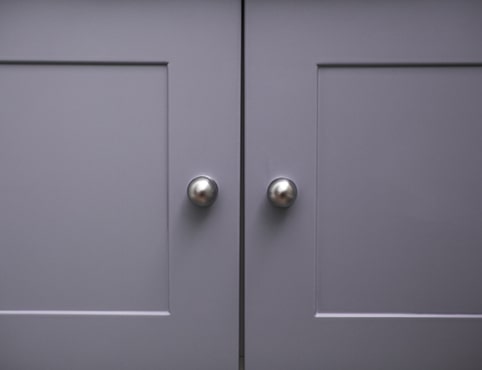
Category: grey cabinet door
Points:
column 374, row 110
column 107, row 110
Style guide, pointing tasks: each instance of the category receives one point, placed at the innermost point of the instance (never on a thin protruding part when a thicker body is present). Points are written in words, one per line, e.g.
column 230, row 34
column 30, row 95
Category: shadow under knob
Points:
column 282, row 192
column 202, row 191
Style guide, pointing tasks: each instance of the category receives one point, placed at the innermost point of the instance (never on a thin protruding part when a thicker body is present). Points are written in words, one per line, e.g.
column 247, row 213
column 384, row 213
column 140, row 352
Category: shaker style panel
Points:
column 84, row 179
column 107, row 110
column 374, row 111
column 398, row 210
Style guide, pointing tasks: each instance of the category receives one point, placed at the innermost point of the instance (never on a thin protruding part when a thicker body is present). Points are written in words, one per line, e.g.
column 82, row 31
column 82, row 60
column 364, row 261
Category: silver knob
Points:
column 202, row 191
column 282, row 192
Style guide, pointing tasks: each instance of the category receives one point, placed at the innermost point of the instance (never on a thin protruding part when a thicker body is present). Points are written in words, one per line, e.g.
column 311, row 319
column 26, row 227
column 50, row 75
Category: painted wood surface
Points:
column 374, row 110
column 107, row 110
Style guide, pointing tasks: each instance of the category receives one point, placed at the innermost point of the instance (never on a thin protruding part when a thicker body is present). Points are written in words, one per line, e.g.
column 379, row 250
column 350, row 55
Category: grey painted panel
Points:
column 399, row 210
column 286, row 42
column 199, row 41
column 83, row 192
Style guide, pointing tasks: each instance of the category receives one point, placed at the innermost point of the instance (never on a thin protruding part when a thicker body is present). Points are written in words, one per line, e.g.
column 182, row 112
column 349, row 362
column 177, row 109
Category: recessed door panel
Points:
column 83, row 194
column 398, row 211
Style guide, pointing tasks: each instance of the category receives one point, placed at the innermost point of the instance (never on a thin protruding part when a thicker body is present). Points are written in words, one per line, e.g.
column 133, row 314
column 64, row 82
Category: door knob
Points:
column 282, row 192
column 202, row 191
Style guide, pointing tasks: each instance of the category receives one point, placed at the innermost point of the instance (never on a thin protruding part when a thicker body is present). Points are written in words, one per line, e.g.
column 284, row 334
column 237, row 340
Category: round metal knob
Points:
column 282, row 192
column 202, row 191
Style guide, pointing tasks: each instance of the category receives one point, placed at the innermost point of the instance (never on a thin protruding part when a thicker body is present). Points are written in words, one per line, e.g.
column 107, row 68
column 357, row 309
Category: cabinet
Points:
column 108, row 109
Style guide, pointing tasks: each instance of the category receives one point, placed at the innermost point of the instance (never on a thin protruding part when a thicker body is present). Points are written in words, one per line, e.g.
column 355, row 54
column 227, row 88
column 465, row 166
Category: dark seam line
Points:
column 242, row 194
column 397, row 65
column 81, row 63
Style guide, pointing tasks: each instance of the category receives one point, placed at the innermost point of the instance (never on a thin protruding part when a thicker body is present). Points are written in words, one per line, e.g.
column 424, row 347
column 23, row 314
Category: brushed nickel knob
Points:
column 282, row 192
column 202, row 191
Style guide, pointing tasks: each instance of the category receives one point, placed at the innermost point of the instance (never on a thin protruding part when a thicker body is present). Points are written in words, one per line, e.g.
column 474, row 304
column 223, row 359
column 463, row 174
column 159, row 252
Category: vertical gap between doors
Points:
column 242, row 195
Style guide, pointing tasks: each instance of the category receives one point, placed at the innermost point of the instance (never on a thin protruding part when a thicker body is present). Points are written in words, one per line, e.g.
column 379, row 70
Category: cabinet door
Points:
column 107, row 110
column 374, row 110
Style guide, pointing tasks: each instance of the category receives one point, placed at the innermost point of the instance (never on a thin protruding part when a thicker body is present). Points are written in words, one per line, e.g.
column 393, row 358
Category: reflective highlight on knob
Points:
column 202, row 191
column 282, row 192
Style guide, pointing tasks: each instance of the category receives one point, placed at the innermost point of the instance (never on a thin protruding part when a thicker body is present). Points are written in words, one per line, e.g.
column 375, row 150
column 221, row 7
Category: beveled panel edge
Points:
column 397, row 316
column 84, row 62
column 427, row 64
column 82, row 313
